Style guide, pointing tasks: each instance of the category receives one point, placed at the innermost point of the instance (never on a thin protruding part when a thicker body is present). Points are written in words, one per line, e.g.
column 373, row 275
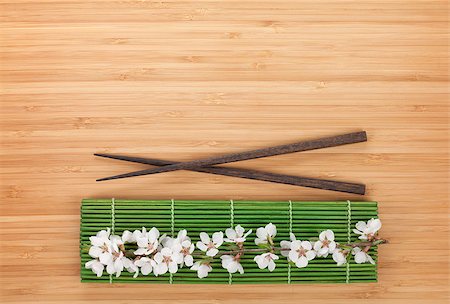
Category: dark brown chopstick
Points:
column 333, row 141
column 253, row 174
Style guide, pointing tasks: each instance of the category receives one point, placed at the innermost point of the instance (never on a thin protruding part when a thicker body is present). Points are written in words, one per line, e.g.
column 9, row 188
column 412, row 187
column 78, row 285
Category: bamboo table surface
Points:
column 182, row 80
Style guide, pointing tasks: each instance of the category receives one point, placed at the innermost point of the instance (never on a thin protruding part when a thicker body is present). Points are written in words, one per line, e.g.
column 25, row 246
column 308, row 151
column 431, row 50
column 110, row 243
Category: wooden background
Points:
column 183, row 80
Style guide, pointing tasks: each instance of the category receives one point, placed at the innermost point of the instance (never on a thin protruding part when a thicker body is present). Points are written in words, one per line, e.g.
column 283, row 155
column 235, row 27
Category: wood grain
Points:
column 186, row 80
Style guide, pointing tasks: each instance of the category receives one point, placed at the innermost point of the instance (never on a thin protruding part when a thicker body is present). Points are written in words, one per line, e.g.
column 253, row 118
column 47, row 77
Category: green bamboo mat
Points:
column 305, row 219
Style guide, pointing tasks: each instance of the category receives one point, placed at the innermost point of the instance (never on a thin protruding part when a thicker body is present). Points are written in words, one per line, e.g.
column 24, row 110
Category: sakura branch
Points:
column 158, row 254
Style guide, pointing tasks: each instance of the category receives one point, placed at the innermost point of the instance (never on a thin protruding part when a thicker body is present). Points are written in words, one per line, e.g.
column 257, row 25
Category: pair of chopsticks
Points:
column 207, row 165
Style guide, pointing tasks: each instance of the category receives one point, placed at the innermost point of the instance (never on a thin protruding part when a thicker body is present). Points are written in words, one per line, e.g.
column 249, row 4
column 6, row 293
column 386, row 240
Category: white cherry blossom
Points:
column 361, row 256
column 147, row 242
column 339, row 257
column 130, row 267
column 210, row 246
column 101, row 247
column 107, row 249
column 128, row 237
column 232, row 264
column 96, row 267
column 266, row 260
column 146, row 264
column 367, row 230
column 182, row 236
column 301, row 253
column 182, row 244
column 167, row 241
column 160, row 254
column 115, row 265
column 286, row 245
column 139, row 234
column 202, row 269
column 265, row 234
column 118, row 261
column 186, row 250
column 236, row 235
column 167, row 260
column 325, row 244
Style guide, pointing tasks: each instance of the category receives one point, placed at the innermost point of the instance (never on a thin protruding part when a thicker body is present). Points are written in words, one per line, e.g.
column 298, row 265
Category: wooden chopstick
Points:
column 265, row 152
column 253, row 174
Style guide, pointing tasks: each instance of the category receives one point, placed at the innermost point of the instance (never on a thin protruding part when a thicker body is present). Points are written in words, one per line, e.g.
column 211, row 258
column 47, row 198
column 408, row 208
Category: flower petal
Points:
column 257, row 258
column 202, row 271
column 247, row 233
column 98, row 268
column 89, row 264
column 217, row 238
column 260, row 241
column 153, row 235
column 212, row 252
column 295, row 245
column 271, row 265
column 361, row 226
column 105, row 258
column 292, row 237
column 118, row 265
column 161, row 268
column 189, row 260
column 293, row 255
column 166, row 251
column 331, row 246
column 204, row 237
column 127, row 237
column 110, row 268
column 375, row 225
column 240, row 268
column 301, row 262
column 173, row 267
column 355, row 250
column 329, row 234
column 357, row 231
column 285, row 244
column 239, row 230
column 323, row 251
column 264, row 261
column 271, row 229
column 96, row 241
column 230, row 233
column 360, row 257
column 226, row 259
column 196, row 266
column 310, row 255
column 95, row 251
column 317, row 245
column 158, row 257
column 182, row 234
column 232, row 267
column 202, row 246
column 261, row 233
column 322, row 236
column 140, row 251
column 186, row 244
column 177, row 257
column 306, row 245
column 142, row 241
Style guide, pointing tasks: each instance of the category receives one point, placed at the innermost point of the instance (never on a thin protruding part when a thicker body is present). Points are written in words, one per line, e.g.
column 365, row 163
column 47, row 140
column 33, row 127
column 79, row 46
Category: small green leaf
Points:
column 264, row 246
